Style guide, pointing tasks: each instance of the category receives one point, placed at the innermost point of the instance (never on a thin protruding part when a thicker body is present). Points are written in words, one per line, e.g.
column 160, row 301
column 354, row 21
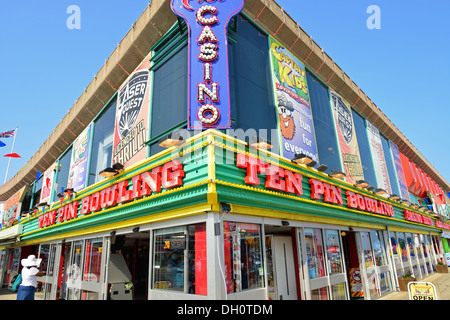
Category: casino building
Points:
column 220, row 153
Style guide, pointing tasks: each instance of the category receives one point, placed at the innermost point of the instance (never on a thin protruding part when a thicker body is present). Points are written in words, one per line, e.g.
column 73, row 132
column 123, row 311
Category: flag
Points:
column 7, row 134
column 2, row 144
column 12, row 155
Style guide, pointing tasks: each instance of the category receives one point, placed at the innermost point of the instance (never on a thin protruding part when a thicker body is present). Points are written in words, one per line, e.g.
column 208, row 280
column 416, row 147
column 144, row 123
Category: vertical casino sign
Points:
column 208, row 74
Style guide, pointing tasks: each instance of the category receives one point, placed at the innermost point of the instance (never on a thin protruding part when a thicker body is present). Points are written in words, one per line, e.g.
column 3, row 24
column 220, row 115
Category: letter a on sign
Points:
column 208, row 76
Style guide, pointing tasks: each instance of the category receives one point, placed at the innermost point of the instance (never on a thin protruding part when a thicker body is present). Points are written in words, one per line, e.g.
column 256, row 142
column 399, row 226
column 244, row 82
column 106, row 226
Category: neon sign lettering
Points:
column 168, row 176
column 208, row 80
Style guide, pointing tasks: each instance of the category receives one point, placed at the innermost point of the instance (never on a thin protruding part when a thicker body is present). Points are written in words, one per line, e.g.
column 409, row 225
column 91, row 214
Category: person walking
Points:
column 30, row 272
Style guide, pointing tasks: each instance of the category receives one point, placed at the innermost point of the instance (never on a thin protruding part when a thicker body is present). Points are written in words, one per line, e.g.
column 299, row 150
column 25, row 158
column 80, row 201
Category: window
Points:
column 402, row 243
column 179, row 259
column 367, row 249
column 251, row 93
column 93, row 260
column 74, row 271
column 314, row 252
column 243, row 257
column 324, row 127
column 396, row 250
column 37, row 190
column 379, row 250
column 102, row 143
column 169, row 103
column 334, row 257
column 364, row 149
column 63, row 173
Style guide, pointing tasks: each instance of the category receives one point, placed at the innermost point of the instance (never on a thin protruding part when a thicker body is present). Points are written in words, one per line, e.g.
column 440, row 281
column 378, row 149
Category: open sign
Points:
column 422, row 291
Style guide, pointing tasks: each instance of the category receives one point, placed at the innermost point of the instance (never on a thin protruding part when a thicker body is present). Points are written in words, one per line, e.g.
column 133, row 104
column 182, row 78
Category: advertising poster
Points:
column 131, row 125
column 348, row 142
column 47, row 184
column 379, row 161
column 400, row 173
column 79, row 160
column 293, row 103
column 12, row 207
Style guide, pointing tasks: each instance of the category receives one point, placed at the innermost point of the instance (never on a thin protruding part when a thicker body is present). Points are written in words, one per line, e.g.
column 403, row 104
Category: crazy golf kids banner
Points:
column 131, row 128
column 347, row 138
column 293, row 103
column 79, row 160
column 379, row 161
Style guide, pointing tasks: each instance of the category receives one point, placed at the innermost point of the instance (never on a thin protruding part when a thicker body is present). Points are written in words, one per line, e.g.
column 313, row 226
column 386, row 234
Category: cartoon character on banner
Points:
column 285, row 113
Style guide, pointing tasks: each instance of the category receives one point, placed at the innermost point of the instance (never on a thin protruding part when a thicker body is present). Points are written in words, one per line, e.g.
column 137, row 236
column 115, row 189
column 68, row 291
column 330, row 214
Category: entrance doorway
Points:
column 282, row 266
column 128, row 267
column 354, row 278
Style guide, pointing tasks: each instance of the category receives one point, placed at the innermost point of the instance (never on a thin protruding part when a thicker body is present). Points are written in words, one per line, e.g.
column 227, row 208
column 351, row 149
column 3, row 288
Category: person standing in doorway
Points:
column 30, row 272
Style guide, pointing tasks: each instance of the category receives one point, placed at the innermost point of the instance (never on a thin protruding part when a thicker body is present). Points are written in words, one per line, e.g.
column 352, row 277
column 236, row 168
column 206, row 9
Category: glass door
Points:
column 323, row 267
column 373, row 259
column 50, row 279
column 92, row 274
column 73, row 273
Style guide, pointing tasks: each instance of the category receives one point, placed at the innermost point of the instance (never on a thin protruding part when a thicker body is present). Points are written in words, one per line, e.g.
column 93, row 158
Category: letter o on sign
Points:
column 208, row 114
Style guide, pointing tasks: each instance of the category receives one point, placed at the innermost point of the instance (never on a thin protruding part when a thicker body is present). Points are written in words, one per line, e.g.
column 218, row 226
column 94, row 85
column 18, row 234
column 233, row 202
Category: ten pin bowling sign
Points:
column 208, row 76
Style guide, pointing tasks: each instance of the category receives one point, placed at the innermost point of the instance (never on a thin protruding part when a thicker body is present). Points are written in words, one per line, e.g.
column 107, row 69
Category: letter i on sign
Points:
column 208, row 81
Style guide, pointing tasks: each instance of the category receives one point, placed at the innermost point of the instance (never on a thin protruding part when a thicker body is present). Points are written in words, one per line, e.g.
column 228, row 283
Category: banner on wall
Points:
column 400, row 173
column 131, row 124
column 79, row 160
column 348, row 141
column 293, row 103
column 12, row 207
column 379, row 161
column 47, row 184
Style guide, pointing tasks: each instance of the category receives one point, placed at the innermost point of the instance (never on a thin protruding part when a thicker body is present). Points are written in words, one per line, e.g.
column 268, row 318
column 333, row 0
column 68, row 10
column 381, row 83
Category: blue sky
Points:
column 403, row 67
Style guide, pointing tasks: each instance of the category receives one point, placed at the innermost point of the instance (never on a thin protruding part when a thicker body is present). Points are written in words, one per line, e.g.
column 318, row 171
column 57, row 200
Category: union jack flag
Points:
column 7, row 134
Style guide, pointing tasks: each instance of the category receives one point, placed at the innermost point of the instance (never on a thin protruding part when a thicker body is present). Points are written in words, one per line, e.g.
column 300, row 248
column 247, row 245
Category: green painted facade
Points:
column 212, row 177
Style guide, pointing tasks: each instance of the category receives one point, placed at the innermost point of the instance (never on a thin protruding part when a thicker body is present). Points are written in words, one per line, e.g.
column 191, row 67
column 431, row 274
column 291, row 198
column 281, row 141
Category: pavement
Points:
column 441, row 282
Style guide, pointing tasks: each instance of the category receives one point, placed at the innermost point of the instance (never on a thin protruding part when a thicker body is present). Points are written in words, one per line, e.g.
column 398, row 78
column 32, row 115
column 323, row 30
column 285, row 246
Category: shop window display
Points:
column 396, row 250
column 243, row 256
column 402, row 243
column 338, row 291
column 315, row 254
column 367, row 248
column 180, row 260
column 93, row 260
column 378, row 248
column 334, row 256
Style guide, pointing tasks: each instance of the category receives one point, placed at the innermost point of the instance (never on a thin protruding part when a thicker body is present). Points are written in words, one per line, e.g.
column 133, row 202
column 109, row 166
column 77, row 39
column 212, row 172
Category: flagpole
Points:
column 9, row 161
